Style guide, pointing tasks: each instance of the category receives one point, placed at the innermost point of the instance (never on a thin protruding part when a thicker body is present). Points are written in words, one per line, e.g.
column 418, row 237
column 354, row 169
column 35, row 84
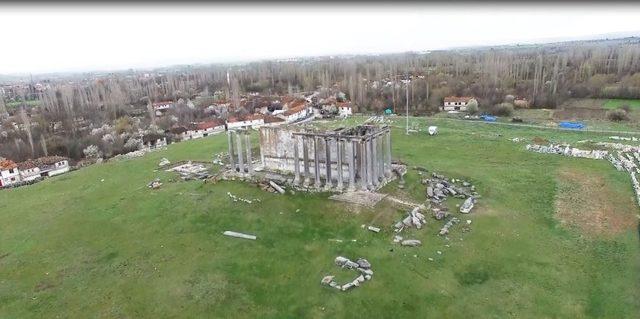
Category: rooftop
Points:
column 457, row 99
column 6, row 164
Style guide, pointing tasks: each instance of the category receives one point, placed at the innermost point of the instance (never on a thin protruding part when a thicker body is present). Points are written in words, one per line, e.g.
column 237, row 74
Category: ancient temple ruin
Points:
column 343, row 159
column 240, row 157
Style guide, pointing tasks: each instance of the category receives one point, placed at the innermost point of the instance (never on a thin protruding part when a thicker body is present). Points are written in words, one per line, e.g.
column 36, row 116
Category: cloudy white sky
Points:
column 70, row 37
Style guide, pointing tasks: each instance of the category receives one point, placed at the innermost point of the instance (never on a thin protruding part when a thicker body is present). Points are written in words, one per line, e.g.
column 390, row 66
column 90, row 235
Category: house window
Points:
column 11, row 171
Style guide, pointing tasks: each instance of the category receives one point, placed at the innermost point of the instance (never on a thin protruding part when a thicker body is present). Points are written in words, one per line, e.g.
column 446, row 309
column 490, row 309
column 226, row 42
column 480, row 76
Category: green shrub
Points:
column 502, row 109
column 625, row 107
column 472, row 107
column 617, row 115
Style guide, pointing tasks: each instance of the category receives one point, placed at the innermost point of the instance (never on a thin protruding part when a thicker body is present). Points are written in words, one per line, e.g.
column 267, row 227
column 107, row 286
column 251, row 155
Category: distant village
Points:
column 270, row 111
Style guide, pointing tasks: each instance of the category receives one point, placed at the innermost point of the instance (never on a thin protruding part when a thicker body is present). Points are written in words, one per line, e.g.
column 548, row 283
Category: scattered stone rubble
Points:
column 135, row 154
column 362, row 266
column 373, row 229
column 219, row 159
column 277, row 187
column 445, row 229
column 239, row 235
column 439, row 188
column 623, row 138
column 411, row 242
column 164, row 162
column 268, row 186
column 628, row 161
column 155, row 184
column 191, row 171
column 468, row 205
column 567, row 150
column 413, row 219
column 240, row 199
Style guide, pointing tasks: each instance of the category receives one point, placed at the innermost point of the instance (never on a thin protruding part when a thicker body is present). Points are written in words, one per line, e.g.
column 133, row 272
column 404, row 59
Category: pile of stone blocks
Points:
column 413, row 219
column 361, row 265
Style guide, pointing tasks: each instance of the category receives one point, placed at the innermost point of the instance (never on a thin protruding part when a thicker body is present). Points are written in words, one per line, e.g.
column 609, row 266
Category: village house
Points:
column 253, row 120
column 178, row 132
column 9, row 173
column 456, row 103
column 52, row 165
column 297, row 110
column 161, row 107
column 344, row 109
column 199, row 130
column 29, row 171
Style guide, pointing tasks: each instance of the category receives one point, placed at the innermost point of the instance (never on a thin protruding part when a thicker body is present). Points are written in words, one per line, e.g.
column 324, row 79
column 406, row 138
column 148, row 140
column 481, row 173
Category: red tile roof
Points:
column 6, row 164
column 272, row 119
column 49, row 160
column 27, row 164
column 295, row 107
column 250, row 117
column 209, row 124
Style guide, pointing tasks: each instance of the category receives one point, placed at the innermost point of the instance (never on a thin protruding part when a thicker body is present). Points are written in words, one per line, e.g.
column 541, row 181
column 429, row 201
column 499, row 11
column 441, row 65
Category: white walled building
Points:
column 52, row 165
column 28, row 171
column 9, row 173
column 253, row 121
column 456, row 103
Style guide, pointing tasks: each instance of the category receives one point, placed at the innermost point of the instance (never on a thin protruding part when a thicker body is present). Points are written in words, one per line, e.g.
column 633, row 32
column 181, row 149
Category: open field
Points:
column 616, row 103
column 76, row 246
column 21, row 103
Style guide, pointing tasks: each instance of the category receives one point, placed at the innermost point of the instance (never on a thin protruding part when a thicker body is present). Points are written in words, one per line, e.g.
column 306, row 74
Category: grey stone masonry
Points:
column 353, row 158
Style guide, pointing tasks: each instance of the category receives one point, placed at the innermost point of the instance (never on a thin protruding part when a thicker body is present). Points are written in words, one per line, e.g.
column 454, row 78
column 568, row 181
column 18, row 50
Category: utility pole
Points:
column 407, row 84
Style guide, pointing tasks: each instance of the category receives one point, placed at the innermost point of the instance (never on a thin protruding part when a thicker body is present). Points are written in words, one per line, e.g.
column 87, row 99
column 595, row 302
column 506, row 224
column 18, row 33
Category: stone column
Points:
column 305, row 160
column 239, row 149
column 363, row 164
column 232, row 161
column 369, row 163
column 316, row 162
column 374, row 160
column 247, row 137
column 339, row 145
column 296, row 161
column 381, row 157
column 328, row 183
column 352, row 164
column 387, row 171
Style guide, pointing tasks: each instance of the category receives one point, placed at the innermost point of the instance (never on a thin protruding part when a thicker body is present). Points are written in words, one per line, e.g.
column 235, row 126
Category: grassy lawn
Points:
column 76, row 246
column 21, row 103
column 616, row 103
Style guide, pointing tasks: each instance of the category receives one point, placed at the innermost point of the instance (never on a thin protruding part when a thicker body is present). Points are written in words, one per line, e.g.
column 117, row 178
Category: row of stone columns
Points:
column 368, row 160
column 237, row 158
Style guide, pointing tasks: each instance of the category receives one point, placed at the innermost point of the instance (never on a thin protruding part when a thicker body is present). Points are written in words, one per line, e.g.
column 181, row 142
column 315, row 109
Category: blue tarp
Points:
column 488, row 118
column 573, row 125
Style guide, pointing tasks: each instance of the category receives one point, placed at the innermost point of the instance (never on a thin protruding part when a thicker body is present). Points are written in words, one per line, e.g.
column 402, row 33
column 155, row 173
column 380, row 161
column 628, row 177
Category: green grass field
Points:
column 21, row 103
column 75, row 246
column 616, row 103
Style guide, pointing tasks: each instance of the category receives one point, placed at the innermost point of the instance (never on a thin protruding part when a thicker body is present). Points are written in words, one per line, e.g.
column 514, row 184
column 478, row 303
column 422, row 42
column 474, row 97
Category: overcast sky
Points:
column 70, row 37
